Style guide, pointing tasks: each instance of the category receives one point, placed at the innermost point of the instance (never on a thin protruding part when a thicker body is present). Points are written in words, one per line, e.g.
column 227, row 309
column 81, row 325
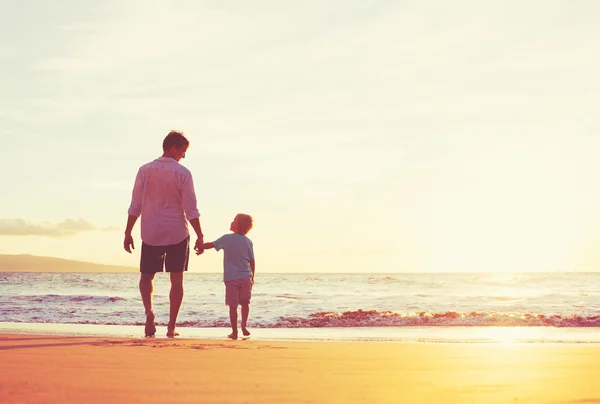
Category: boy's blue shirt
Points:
column 238, row 252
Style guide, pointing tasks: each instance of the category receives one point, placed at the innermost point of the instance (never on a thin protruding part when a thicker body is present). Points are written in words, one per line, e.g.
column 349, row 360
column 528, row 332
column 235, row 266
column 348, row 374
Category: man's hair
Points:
column 246, row 222
column 175, row 138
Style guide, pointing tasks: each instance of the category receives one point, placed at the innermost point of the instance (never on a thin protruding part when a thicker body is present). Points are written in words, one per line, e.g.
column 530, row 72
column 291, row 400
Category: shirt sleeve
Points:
column 251, row 252
column 135, row 209
column 188, row 198
column 220, row 243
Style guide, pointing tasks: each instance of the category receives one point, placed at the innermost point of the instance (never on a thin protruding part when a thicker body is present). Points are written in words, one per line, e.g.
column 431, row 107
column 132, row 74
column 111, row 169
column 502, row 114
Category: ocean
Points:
column 435, row 307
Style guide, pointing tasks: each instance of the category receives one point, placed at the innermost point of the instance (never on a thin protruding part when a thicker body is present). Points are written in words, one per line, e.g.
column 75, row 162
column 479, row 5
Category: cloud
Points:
column 22, row 227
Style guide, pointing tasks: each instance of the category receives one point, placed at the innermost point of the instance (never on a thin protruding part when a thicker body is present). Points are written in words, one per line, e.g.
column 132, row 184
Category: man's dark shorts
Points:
column 174, row 257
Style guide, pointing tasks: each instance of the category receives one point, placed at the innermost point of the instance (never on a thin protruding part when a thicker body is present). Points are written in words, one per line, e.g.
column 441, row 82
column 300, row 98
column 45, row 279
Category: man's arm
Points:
column 135, row 210
column 189, row 204
column 196, row 226
column 128, row 242
column 200, row 240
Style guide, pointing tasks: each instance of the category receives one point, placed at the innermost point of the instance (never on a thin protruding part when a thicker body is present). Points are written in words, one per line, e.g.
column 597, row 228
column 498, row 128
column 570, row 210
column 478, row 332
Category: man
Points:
column 164, row 196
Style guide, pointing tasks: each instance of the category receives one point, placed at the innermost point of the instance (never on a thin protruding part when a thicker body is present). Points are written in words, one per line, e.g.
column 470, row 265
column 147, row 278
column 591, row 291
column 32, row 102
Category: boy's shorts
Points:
column 174, row 257
column 238, row 291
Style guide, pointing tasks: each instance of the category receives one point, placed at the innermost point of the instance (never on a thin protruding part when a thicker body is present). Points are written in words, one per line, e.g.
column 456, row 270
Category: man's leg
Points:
column 245, row 312
column 175, row 298
column 146, row 290
column 176, row 262
column 233, row 319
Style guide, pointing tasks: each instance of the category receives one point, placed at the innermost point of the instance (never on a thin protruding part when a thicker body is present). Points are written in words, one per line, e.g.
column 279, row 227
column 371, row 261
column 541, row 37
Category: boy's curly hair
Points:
column 246, row 222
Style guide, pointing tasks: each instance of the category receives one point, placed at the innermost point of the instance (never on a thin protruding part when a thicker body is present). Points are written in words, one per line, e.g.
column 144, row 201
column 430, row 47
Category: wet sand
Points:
column 56, row 369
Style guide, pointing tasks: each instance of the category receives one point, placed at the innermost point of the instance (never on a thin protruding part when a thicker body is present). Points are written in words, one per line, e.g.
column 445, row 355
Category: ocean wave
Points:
column 69, row 299
column 504, row 298
column 288, row 296
column 375, row 318
column 369, row 318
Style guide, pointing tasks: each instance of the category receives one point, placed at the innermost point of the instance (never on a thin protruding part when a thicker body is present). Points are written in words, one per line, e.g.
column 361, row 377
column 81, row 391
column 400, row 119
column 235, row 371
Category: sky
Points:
column 362, row 136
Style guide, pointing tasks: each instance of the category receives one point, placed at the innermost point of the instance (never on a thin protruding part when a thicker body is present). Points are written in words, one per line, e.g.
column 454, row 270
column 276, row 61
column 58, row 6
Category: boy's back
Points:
column 238, row 253
column 238, row 270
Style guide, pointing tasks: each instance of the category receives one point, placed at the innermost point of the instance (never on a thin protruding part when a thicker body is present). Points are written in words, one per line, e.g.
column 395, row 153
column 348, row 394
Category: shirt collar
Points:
column 171, row 159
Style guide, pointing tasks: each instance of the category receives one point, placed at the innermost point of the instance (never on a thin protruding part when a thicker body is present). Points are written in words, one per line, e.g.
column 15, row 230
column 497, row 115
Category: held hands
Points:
column 199, row 246
column 128, row 243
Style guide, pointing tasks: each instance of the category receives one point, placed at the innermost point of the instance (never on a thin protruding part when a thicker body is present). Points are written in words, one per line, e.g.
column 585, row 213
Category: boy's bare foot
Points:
column 171, row 333
column 245, row 332
column 233, row 335
column 150, row 327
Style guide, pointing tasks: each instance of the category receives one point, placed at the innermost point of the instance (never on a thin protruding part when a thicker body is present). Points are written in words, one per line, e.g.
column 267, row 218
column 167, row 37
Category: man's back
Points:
column 164, row 197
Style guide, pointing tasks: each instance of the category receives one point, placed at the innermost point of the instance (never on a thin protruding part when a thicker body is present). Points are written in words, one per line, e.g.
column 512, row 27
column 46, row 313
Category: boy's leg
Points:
column 233, row 319
column 245, row 312
column 232, row 299
column 245, row 296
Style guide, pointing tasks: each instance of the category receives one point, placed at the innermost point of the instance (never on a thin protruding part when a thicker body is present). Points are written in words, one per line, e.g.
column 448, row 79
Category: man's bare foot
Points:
column 150, row 327
column 171, row 333
column 233, row 335
column 245, row 332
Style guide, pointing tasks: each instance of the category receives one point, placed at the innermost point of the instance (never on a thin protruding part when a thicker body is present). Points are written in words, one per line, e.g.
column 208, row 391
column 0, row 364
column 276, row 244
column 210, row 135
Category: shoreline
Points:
column 427, row 335
column 51, row 369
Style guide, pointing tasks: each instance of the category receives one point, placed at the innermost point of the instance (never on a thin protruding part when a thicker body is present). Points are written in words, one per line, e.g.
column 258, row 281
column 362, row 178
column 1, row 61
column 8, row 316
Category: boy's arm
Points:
column 252, row 267
column 207, row 246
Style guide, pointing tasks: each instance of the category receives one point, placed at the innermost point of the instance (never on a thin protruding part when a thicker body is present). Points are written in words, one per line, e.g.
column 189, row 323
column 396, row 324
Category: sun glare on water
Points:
column 504, row 335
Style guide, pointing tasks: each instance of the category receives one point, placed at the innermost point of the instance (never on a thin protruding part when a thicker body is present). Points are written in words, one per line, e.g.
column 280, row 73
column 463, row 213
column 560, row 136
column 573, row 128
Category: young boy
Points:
column 238, row 270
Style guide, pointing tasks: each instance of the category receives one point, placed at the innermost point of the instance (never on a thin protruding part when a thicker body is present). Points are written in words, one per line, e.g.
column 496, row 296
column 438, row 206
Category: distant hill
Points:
column 33, row 263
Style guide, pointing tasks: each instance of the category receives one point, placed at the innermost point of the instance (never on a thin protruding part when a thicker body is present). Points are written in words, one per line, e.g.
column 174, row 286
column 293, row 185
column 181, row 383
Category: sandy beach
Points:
column 56, row 369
